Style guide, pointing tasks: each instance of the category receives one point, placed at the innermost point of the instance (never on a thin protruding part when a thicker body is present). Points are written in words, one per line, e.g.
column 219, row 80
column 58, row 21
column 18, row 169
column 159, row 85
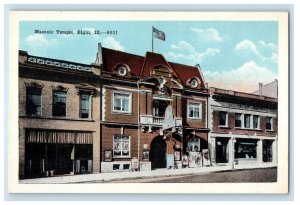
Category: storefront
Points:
column 57, row 152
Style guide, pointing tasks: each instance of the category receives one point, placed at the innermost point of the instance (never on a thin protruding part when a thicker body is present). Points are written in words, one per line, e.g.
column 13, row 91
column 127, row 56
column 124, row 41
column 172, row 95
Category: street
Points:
column 253, row 175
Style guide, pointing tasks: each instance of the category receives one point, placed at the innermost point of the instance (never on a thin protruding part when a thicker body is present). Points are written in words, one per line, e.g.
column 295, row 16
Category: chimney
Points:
column 260, row 89
column 99, row 60
column 23, row 56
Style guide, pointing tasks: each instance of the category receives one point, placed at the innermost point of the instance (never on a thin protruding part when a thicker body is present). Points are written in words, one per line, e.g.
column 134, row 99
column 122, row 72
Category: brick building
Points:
column 243, row 128
column 59, row 117
column 129, row 112
column 136, row 92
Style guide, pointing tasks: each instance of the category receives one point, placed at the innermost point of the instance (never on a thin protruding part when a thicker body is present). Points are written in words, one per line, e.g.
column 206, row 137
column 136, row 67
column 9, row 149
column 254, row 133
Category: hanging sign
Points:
column 169, row 121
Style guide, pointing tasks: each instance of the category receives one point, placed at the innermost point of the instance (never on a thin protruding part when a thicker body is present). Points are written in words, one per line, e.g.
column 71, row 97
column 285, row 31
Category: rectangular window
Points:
column 245, row 149
column 85, row 106
column 255, row 122
column 59, row 103
column 122, row 102
column 269, row 123
column 222, row 118
column 33, row 101
column 247, row 120
column 195, row 110
column 238, row 120
column 121, row 146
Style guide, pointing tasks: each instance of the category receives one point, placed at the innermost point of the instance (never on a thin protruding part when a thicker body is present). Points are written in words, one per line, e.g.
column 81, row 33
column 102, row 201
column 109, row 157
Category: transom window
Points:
column 222, row 118
column 121, row 146
column 85, row 106
column 33, row 101
column 122, row 102
column 59, row 103
column 194, row 110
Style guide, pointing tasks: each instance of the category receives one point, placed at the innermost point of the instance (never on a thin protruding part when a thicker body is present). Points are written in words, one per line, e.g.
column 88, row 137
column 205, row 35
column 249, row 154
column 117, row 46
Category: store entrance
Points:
column 222, row 152
column 158, row 153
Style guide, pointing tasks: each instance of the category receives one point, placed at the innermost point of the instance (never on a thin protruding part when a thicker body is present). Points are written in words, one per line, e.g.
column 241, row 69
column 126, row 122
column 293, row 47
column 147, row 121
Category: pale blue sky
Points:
column 232, row 54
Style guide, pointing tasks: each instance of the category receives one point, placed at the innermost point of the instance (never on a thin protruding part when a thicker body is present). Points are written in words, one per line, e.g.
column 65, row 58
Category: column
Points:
column 212, row 148
column 274, row 151
column 231, row 151
column 259, row 151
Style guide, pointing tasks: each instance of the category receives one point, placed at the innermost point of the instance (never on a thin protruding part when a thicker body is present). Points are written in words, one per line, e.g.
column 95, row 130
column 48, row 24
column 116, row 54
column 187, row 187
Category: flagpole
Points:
column 152, row 38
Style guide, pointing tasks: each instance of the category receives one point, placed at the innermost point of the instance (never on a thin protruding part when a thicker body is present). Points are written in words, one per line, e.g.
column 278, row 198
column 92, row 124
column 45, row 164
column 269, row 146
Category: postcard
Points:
column 148, row 102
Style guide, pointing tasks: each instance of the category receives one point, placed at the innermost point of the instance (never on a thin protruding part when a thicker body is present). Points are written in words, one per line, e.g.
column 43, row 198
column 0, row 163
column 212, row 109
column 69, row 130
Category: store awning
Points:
column 59, row 137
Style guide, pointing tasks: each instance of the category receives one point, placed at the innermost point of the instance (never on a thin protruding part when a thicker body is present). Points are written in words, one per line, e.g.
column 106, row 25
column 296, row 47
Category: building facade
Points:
column 243, row 128
column 127, row 112
column 138, row 93
column 59, row 117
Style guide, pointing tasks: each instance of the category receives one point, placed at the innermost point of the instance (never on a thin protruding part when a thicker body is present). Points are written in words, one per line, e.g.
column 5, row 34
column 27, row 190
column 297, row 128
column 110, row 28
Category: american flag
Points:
column 158, row 34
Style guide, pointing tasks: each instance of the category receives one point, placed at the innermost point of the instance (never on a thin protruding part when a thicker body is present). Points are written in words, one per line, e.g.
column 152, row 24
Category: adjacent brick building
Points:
column 59, row 117
column 243, row 127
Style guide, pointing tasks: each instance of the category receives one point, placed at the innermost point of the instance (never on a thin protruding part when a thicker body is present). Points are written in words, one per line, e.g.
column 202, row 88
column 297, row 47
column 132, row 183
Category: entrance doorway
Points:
column 158, row 153
column 222, row 152
column 267, row 150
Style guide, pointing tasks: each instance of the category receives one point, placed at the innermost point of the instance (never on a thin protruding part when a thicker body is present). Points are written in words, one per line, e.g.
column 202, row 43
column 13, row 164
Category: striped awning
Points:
column 59, row 137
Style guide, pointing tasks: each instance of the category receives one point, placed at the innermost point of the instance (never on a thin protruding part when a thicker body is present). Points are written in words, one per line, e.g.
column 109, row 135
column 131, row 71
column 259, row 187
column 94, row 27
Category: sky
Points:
column 234, row 55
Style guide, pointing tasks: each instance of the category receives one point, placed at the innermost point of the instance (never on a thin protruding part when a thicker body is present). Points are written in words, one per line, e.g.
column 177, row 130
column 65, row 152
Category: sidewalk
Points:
column 101, row 177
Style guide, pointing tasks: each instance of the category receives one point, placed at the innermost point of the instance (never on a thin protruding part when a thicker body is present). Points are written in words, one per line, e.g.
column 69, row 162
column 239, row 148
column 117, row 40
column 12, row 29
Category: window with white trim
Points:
column 269, row 125
column 122, row 102
column 33, row 101
column 256, row 121
column 223, row 118
column 238, row 120
column 195, row 110
column 121, row 146
column 247, row 119
column 85, row 104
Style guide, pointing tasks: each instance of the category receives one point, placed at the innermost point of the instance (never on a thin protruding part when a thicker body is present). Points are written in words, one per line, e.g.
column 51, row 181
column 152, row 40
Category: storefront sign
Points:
column 206, row 157
column 185, row 160
column 145, row 156
column 108, row 155
column 169, row 121
column 134, row 163
column 177, row 155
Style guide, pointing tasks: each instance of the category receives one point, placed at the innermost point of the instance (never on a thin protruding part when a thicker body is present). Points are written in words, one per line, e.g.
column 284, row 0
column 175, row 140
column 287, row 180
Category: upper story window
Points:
column 247, row 118
column 122, row 70
column 59, row 103
column 85, row 105
column 223, row 118
column 33, row 101
column 121, row 146
column 194, row 83
column 122, row 102
column 194, row 110
column 238, row 120
column 269, row 125
column 256, row 122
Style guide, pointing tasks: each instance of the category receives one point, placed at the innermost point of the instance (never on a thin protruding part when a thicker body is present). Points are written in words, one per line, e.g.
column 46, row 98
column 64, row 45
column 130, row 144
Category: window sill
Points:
column 241, row 128
column 191, row 118
column 121, row 113
column 224, row 127
column 269, row 130
column 127, row 157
